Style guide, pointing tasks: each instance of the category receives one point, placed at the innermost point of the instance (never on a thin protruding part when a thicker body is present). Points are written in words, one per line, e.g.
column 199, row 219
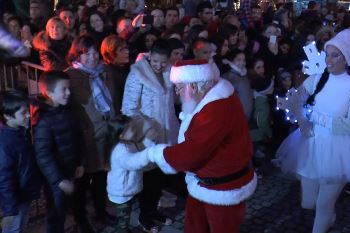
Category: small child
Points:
column 281, row 126
column 19, row 176
column 58, row 148
column 237, row 76
column 260, row 127
column 125, row 179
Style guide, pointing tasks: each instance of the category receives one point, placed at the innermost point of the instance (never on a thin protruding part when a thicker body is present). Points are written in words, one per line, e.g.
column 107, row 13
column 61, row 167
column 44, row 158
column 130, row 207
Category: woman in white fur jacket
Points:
column 149, row 92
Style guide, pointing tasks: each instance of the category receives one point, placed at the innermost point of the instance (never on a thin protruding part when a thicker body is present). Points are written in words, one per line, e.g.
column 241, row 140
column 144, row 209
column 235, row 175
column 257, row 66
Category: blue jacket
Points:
column 20, row 179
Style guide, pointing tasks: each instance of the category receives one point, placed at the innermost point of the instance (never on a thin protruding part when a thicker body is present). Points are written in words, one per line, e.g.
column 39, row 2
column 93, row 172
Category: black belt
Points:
column 224, row 179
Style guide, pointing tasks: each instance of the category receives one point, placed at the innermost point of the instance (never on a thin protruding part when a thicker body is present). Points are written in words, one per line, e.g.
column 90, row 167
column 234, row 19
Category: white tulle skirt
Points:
column 324, row 157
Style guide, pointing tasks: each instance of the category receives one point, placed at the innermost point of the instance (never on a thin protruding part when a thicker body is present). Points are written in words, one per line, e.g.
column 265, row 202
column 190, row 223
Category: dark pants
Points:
column 57, row 204
column 96, row 183
column 149, row 197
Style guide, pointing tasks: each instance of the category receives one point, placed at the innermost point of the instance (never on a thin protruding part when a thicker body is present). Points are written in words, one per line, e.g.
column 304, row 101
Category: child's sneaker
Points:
column 148, row 226
column 168, row 195
column 161, row 219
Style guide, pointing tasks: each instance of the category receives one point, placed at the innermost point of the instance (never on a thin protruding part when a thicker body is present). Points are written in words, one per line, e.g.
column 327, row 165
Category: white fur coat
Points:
column 145, row 95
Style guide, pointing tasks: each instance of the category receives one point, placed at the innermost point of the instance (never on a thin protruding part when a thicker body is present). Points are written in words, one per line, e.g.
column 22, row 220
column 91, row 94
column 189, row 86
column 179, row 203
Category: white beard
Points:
column 188, row 105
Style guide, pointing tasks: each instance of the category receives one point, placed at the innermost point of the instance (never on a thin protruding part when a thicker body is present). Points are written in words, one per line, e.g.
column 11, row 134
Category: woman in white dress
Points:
column 319, row 152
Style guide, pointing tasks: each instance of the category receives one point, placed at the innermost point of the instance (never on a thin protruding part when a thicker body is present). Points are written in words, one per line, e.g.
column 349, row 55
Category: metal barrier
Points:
column 23, row 76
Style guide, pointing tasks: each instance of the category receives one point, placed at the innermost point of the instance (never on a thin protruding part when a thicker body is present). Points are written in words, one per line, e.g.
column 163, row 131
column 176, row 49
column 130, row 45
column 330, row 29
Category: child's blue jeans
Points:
column 20, row 220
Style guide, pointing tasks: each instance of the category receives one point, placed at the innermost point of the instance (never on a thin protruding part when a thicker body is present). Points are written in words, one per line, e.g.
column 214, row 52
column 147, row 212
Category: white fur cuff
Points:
column 155, row 155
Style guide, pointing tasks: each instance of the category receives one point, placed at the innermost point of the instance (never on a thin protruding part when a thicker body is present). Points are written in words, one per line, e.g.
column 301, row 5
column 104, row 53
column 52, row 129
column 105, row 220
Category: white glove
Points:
column 321, row 119
column 66, row 186
column 155, row 155
column 306, row 127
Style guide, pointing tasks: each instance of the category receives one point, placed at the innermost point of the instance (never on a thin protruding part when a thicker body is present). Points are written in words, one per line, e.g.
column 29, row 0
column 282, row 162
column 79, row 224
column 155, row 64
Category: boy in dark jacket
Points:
column 19, row 176
column 58, row 149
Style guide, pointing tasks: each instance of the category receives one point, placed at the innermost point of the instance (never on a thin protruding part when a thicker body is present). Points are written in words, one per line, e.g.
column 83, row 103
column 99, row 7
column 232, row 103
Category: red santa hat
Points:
column 192, row 71
column 341, row 41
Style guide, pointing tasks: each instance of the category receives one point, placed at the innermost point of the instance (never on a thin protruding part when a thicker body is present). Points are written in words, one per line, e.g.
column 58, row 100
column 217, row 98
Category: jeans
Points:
column 57, row 203
column 20, row 220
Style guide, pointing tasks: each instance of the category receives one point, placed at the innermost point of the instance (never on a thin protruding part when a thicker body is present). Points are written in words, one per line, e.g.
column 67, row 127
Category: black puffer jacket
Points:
column 57, row 141
column 19, row 176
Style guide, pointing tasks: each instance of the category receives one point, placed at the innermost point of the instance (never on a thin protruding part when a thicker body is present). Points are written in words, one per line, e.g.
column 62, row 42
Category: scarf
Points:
column 100, row 93
column 240, row 71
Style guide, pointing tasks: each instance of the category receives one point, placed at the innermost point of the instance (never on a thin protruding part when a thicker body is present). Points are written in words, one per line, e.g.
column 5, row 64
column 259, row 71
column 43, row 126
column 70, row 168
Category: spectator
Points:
column 177, row 50
column 68, row 17
column 158, row 19
column 148, row 92
column 97, row 27
column 19, row 177
column 132, row 6
column 237, row 76
column 14, row 26
column 93, row 105
column 58, row 149
column 115, row 53
column 53, row 45
column 124, row 28
column 171, row 17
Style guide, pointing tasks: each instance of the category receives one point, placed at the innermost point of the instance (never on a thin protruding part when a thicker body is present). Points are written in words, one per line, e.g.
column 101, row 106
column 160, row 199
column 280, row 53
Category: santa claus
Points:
column 214, row 150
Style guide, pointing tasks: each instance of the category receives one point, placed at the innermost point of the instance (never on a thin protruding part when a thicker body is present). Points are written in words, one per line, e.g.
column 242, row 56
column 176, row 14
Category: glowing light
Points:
column 288, row 118
column 277, row 108
column 287, row 110
column 295, row 121
column 286, row 98
column 276, row 96
column 309, row 110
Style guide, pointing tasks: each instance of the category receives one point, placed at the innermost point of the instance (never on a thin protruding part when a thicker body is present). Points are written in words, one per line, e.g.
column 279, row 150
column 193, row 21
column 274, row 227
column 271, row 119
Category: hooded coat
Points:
column 52, row 53
column 144, row 94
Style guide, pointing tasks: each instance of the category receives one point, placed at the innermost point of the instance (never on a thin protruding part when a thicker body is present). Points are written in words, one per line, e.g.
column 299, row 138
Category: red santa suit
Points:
column 214, row 143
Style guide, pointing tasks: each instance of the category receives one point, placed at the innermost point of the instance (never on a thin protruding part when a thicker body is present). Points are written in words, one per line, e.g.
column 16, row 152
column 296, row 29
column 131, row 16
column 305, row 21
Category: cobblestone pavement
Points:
column 274, row 208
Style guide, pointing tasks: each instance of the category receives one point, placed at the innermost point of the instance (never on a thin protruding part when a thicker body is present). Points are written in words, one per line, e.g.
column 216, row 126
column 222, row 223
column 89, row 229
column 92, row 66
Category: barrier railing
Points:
column 23, row 76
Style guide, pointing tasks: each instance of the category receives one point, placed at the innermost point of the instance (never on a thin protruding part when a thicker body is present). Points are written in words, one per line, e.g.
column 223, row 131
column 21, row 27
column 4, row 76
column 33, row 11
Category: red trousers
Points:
column 201, row 217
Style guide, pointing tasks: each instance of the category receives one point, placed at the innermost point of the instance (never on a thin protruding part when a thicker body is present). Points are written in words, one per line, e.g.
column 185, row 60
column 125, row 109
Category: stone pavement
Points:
column 274, row 208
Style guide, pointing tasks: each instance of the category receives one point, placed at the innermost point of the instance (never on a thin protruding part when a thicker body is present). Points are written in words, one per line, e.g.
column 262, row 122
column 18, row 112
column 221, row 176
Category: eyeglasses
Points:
column 178, row 89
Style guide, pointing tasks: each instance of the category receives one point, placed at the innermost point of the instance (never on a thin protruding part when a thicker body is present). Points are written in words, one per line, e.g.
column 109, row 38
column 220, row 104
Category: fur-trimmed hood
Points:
column 42, row 42
column 143, row 70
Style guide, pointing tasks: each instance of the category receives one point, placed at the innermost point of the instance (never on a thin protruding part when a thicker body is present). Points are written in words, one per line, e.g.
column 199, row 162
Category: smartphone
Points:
column 273, row 39
column 217, row 12
column 147, row 19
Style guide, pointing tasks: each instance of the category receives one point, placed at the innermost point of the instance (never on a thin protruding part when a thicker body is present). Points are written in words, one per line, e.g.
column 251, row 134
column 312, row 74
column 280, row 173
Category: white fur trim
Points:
column 222, row 90
column 156, row 155
column 341, row 41
column 193, row 73
column 240, row 71
column 218, row 197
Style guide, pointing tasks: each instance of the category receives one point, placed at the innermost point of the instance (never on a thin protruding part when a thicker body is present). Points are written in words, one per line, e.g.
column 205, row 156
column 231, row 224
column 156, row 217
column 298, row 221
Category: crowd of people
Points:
column 130, row 92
